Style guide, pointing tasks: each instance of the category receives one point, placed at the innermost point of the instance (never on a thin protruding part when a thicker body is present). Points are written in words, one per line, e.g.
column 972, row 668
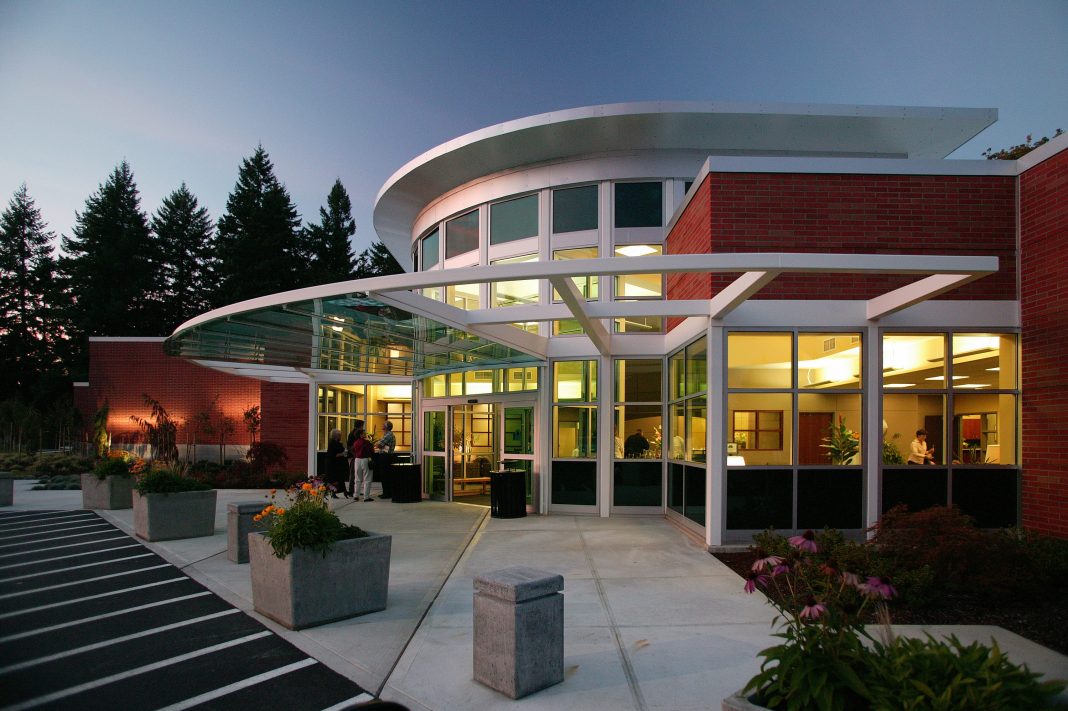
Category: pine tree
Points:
column 111, row 264
column 29, row 333
column 376, row 260
column 257, row 242
column 327, row 246
column 183, row 233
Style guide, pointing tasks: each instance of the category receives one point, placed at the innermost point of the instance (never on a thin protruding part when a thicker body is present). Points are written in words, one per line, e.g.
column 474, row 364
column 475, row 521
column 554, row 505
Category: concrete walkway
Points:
column 652, row 621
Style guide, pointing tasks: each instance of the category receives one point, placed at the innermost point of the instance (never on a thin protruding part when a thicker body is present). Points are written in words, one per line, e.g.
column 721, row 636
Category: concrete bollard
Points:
column 519, row 630
column 239, row 524
column 7, row 489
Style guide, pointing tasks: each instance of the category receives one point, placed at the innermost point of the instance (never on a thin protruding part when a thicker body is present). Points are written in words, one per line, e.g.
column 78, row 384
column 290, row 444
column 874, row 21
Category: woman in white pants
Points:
column 361, row 453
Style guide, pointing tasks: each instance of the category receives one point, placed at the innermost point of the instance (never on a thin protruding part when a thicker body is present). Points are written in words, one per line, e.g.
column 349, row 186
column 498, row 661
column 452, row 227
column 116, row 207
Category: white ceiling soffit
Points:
column 708, row 127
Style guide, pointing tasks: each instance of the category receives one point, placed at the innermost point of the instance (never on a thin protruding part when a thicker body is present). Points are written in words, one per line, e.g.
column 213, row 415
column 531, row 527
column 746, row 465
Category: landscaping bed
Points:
column 949, row 573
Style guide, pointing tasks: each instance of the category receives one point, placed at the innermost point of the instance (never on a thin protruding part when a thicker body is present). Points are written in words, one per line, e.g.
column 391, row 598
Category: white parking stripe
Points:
column 19, row 527
column 237, row 686
column 58, row 538
column 97, row 683
column 116, row 640
column 349, row 702
column 79, row 582
column 43, row 515
column 59, row 530
column 104, row 616
column 65, row 557
column 77, row 567
column 76, row 600
column 56, row 548
column 50, row 519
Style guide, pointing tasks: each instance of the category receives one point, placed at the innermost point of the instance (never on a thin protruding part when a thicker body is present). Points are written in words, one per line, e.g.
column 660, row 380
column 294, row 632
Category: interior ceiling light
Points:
column 974, row 385
column 635, row 250
column 955, row 377
column 337, row 328
column 393, row 353
column 899, row 385
column 993, row 370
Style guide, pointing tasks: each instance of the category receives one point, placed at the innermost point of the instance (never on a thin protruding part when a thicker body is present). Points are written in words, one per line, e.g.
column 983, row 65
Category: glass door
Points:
column 517, row 441
column 475, row 451
column 435, row 473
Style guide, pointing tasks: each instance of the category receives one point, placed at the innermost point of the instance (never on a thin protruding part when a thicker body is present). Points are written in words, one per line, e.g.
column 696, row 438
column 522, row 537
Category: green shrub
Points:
column 57, row 463
column 307, row 523
column 951, row 676
column 168, row 481
column 112, row 466
column 16, row 462
column 59, row 482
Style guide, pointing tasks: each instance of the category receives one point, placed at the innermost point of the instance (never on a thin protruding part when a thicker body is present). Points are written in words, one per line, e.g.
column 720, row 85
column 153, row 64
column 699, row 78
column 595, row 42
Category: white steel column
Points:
column 546, row 389
column 313, row 426
column 873, row 425
column 605, row 423
column 716, row 437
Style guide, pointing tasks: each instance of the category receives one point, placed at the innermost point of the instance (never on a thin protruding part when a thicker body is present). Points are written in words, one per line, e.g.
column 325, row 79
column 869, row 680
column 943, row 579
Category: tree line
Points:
column 122, row 272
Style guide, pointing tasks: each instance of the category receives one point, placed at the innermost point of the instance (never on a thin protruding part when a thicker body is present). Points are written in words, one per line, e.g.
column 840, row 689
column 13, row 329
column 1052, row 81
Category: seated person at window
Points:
column 919, row 453
column 635, row 446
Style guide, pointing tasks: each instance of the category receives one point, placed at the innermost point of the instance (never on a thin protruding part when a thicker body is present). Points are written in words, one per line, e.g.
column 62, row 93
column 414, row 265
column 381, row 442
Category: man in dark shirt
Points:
column 636, row 446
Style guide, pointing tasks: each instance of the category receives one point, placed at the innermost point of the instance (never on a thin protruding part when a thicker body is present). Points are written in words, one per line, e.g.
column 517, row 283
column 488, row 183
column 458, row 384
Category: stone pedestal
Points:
column 109, row 493
column 239, row 524
column 165, row 517
column 519, row 630
column 7, row 489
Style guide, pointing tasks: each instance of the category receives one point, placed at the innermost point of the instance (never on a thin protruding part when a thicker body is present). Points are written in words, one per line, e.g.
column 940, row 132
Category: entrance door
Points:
column 517, row 441
column 475, row 450
column 435, row 456
column 812, row 428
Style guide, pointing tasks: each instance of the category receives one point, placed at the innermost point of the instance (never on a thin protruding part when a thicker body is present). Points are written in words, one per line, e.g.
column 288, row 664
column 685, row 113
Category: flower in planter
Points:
column 308, row 521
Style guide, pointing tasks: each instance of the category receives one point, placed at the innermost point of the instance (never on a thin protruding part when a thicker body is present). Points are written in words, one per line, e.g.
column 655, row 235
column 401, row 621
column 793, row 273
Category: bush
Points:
column 111, row 467
column 56, row 464
column 168, row 480
column 307, row 523
column 951, row 676
column 265, row 455
column 59, row 482
column 16, row 462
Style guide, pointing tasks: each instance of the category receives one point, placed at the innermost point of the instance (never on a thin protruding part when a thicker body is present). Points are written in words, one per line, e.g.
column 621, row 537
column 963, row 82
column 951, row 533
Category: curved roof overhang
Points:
column 712, row 128
column 384, row 328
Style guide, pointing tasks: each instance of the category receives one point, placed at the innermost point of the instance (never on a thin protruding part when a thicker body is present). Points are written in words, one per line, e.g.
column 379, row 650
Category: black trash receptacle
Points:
column 407, row 484
column 508, row 493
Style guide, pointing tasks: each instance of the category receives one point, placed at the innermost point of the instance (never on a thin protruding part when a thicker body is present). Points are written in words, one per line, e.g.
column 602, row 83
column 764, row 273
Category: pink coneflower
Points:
column 880, row 587
column 812, row 609
column 851, row 579
column 805, row 542
column 765, row 560
column 781, row 569
column 754, row 580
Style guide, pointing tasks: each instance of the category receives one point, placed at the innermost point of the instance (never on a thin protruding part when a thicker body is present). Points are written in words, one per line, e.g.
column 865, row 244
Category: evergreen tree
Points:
column 111, row 264
column 258, row 239
column 376, row 260
column 183, row 232
column 29, row 332
column 327, row 246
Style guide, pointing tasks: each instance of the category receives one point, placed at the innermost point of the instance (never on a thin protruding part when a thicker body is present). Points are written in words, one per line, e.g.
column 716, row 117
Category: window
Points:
column 429, row 250
column 515, row 293
column 639, row 205
column 688, row 413
column 461, row 234
column 462, row 296
column 514, row 219
column 759, row 360
column 587, row 285
column 575, row 380
column 756, row 429
column 575, row 209
column 636, row 287
column 828, row 361
column 476, row 382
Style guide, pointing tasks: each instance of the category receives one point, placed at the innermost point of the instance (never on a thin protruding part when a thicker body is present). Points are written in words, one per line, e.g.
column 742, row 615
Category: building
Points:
column 737, row 316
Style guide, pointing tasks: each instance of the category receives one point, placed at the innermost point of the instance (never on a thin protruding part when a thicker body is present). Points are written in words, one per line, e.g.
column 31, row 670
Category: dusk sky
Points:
column 353, row 90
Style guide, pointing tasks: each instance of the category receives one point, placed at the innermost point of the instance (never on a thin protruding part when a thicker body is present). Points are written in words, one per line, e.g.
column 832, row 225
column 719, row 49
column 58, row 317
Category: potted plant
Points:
column 308, row 568
column 842, row 445
column 828, row 660
column 110, row 484
column 168, row 505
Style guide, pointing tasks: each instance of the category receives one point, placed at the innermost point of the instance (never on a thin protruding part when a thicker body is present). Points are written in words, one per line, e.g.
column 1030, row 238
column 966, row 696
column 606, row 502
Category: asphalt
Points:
column 651, row 620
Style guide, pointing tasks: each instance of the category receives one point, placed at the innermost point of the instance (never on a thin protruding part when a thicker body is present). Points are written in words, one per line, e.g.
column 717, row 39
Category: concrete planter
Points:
column 738, row 702
column 163, row 517
column 7, row 489
column 306, row 589
column 111, row 492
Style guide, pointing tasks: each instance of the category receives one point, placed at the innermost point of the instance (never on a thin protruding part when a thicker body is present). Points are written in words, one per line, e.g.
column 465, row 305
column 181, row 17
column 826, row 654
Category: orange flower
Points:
column 273, row 491
column 306, row 487
column 279, row 511
column 257, row 517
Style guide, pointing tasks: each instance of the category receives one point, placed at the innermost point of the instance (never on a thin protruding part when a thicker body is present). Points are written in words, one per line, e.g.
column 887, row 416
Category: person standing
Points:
column 383, row 460
column 919, row 453
column 350, row 489
column 337, row 466
column 636, row 445
column 361, row 453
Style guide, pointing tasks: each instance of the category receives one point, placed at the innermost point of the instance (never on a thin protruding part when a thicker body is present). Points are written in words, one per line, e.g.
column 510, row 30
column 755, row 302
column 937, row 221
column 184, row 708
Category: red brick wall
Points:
column 122, row 372
column 857, row 214
column 690, row 235
column 284, row 408
column 1044, row 321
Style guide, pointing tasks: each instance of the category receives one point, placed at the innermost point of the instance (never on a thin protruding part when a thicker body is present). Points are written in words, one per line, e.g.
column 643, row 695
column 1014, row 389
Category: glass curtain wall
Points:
column 574, row 449
column 794, row 445
column 638, row 439
column 687, row 429
column 961, row 391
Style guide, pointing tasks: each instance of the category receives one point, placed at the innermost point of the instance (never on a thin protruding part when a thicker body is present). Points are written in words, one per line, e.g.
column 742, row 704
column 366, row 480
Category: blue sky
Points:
column 353, row 90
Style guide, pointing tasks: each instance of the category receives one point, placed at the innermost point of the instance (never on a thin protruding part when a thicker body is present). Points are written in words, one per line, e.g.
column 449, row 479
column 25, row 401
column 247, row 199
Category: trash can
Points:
column 508, row 495
column 407, row 484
